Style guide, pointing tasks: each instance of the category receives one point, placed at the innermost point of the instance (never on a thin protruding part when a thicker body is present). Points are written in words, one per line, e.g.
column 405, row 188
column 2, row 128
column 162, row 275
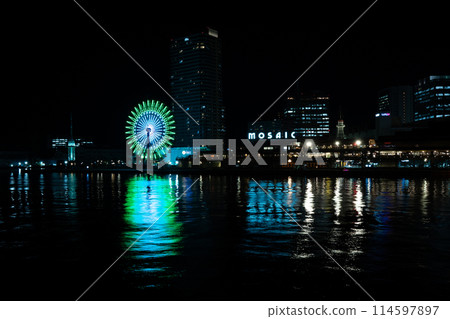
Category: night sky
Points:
column 62, row 62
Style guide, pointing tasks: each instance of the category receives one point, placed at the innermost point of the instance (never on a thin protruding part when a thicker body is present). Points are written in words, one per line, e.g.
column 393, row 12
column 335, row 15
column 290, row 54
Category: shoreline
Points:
column 318, row 172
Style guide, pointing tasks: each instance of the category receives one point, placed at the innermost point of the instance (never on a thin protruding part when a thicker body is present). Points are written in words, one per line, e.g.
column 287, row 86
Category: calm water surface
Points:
column 224, row 239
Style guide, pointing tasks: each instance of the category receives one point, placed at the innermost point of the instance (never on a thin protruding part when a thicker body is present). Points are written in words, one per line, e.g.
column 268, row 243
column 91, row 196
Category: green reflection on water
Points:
column 146, row 200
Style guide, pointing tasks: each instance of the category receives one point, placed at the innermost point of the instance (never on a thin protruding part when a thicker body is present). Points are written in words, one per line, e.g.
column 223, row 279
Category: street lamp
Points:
column 337, row 143
column 358, row 143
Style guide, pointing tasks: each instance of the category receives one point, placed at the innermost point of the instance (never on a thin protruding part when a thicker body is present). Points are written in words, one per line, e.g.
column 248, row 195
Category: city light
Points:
column 382, row 114
column 358, row 143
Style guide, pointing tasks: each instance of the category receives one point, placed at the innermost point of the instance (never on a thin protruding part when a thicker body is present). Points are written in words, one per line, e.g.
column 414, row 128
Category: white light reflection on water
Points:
column 308, row 204
column 358, row 202
column 425, row 201
column 337, row 198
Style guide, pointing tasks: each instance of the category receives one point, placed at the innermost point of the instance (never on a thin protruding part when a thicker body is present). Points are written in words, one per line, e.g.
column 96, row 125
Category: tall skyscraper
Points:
column 196, row 83
column 432, row 98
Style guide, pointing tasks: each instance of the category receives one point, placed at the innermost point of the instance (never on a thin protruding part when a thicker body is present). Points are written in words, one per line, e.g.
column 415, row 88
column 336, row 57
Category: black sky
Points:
column 61, row 62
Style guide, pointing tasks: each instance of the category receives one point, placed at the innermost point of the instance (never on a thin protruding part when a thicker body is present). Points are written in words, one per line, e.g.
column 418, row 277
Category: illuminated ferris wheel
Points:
column 150, row 129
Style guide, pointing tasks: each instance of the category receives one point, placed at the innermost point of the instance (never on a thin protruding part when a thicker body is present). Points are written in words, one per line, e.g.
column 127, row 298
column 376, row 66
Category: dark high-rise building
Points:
column 315, row 116
column 196, row 83
column 292, row 115
column 308, row 115
column 432, row 98
column 396, row 102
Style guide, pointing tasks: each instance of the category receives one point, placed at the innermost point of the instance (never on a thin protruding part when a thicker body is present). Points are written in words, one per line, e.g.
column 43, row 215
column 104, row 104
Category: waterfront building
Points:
column 432, row 98
column 58, row 143
column 196, row 84
column 308, row 115
column 397, row 103
column 315, row 117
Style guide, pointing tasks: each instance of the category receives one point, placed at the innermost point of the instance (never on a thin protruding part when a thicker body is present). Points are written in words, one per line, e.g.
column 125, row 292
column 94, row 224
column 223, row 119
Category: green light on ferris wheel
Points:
column 150, row 129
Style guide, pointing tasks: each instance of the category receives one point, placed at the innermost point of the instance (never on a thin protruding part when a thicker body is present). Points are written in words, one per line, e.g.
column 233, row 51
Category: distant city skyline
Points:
column 77, row 68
